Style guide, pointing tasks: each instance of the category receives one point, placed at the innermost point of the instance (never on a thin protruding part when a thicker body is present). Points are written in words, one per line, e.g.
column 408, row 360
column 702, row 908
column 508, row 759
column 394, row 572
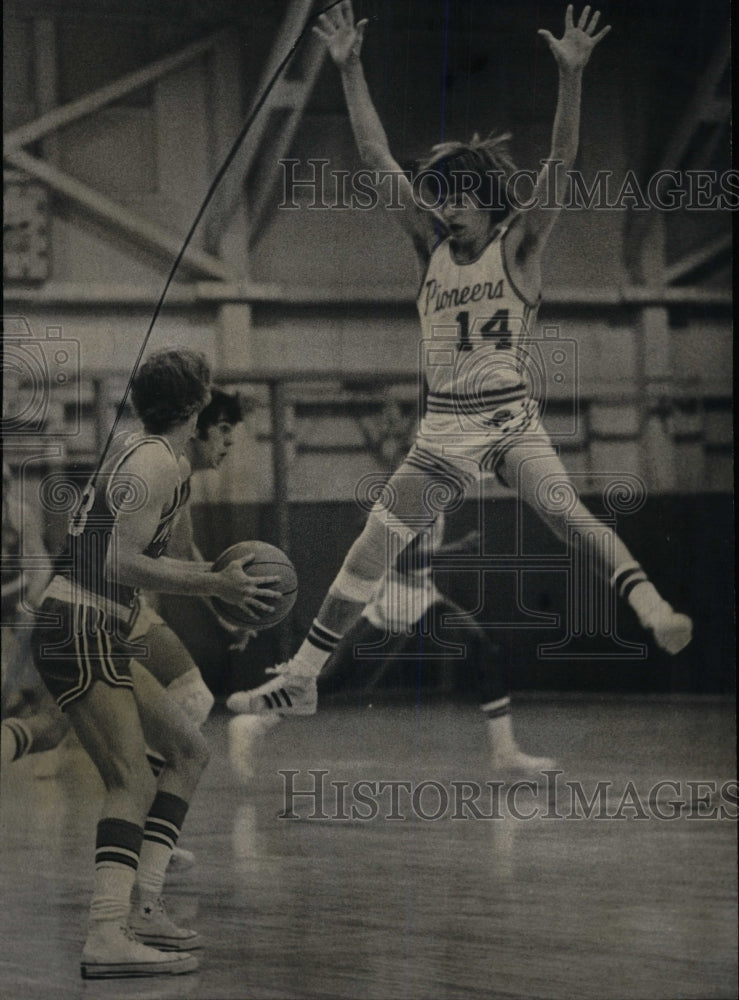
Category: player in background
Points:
column 115, row 545
column 406, row 617
column 166, row 656
column 481, row 259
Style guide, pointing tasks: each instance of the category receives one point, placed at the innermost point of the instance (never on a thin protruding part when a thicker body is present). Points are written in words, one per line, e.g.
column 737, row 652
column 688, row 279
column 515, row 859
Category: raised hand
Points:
column 342, row 37
column 573, row 49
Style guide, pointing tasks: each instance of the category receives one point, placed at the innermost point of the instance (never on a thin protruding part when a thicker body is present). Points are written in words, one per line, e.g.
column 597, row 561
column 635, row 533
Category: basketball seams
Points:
column 269, row 561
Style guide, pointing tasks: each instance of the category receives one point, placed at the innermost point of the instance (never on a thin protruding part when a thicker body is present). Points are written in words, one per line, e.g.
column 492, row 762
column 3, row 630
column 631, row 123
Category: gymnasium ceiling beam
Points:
column 117, row 215
column 68, row 113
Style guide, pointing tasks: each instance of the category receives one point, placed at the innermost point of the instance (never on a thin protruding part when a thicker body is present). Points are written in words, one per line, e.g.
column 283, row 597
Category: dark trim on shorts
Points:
column 85, row 646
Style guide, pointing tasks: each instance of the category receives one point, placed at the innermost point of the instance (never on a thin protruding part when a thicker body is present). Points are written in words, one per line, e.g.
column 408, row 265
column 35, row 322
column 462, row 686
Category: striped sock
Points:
column 162, row 828
column 156, row 762
column 16, row 738
column 498, row 708
column 626, row 577
column 117, row 848
column 318, row 645
column 632, row 584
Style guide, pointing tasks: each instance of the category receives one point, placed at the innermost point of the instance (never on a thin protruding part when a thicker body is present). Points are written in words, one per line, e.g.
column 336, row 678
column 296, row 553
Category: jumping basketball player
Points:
column 481, row 287
column 83, row 653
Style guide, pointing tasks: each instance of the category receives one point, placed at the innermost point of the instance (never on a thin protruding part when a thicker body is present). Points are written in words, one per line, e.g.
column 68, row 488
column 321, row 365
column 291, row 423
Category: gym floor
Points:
column 623, row 904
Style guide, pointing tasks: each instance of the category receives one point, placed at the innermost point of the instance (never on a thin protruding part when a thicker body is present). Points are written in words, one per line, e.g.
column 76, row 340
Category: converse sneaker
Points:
column 113, row 952
column 151, row 924
column 286, row 694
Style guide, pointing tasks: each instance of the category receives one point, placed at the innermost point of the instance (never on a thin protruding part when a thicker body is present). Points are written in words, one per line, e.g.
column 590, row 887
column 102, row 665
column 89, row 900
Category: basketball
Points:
column 268, row 561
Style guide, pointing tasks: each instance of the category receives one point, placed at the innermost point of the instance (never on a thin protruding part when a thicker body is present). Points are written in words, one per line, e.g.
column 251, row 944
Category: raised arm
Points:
column 344, row 42
column 571, row 53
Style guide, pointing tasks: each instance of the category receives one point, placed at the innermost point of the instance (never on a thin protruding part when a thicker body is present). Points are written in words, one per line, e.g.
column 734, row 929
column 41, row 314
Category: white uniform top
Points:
column 475, row 324
column 407, row 591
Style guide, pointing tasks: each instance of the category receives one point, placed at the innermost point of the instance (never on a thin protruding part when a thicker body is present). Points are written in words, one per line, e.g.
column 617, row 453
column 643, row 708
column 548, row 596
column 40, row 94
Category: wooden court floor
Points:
column 623, row 904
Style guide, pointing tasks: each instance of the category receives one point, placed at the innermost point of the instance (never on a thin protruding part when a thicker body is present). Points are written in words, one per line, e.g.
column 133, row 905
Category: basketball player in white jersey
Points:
column 481, row 264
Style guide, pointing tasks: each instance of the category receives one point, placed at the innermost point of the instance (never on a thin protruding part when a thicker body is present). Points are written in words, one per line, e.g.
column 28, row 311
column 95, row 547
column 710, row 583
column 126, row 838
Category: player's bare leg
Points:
column 293, row 689
column 108, row 726
column 528, row 469
column 169, row 661
column 172, row 734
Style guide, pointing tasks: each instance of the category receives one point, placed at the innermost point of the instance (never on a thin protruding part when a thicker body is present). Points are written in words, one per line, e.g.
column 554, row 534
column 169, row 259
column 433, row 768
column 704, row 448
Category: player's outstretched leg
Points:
column 672, row 630
column 540, row 471
column 293, row 689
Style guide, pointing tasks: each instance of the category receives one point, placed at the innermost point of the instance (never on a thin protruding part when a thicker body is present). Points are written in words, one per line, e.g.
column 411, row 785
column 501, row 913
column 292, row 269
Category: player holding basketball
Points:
column 482, row 281
column 115, row 544
column 165, row 655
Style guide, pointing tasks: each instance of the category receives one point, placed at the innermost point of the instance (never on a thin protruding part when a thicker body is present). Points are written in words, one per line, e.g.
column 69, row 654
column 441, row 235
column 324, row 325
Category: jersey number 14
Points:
column 494, row 328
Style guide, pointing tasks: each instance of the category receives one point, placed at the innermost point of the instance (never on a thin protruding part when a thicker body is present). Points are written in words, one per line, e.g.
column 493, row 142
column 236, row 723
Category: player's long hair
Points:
column 169, row 387
column 488, row 159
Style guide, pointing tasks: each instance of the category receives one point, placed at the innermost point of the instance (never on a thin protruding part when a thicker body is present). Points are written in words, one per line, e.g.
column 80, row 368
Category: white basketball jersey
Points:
column 475, row 325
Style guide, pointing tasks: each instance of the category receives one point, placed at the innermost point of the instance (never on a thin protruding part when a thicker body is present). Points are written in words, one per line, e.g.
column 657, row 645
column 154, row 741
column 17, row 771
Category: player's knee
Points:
column 50, row 728
column 193, row 752
column 192, row 695
column 365, row 563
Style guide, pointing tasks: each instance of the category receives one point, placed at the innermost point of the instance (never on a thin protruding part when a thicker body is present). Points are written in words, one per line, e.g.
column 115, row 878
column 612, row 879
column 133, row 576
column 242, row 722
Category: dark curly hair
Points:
column 169, row 387
column 222, row 406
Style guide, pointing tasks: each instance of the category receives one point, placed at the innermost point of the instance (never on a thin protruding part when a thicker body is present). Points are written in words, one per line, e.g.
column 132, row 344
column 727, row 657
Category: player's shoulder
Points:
column 149, row 456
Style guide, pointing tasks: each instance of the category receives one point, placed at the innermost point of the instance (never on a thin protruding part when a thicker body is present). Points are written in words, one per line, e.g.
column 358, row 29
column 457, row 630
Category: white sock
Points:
column 315, row 650
column 500, row 736
column 161, row 831
column 647, row 603
column 152, row 868
column 111, row 897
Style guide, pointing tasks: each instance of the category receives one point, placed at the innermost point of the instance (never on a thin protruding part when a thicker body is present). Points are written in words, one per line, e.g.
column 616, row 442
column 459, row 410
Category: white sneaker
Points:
column 180, row 861
column 112, row 952
column 672, row 631
column 151, row 924
column 519, row 764
column 286, row 694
